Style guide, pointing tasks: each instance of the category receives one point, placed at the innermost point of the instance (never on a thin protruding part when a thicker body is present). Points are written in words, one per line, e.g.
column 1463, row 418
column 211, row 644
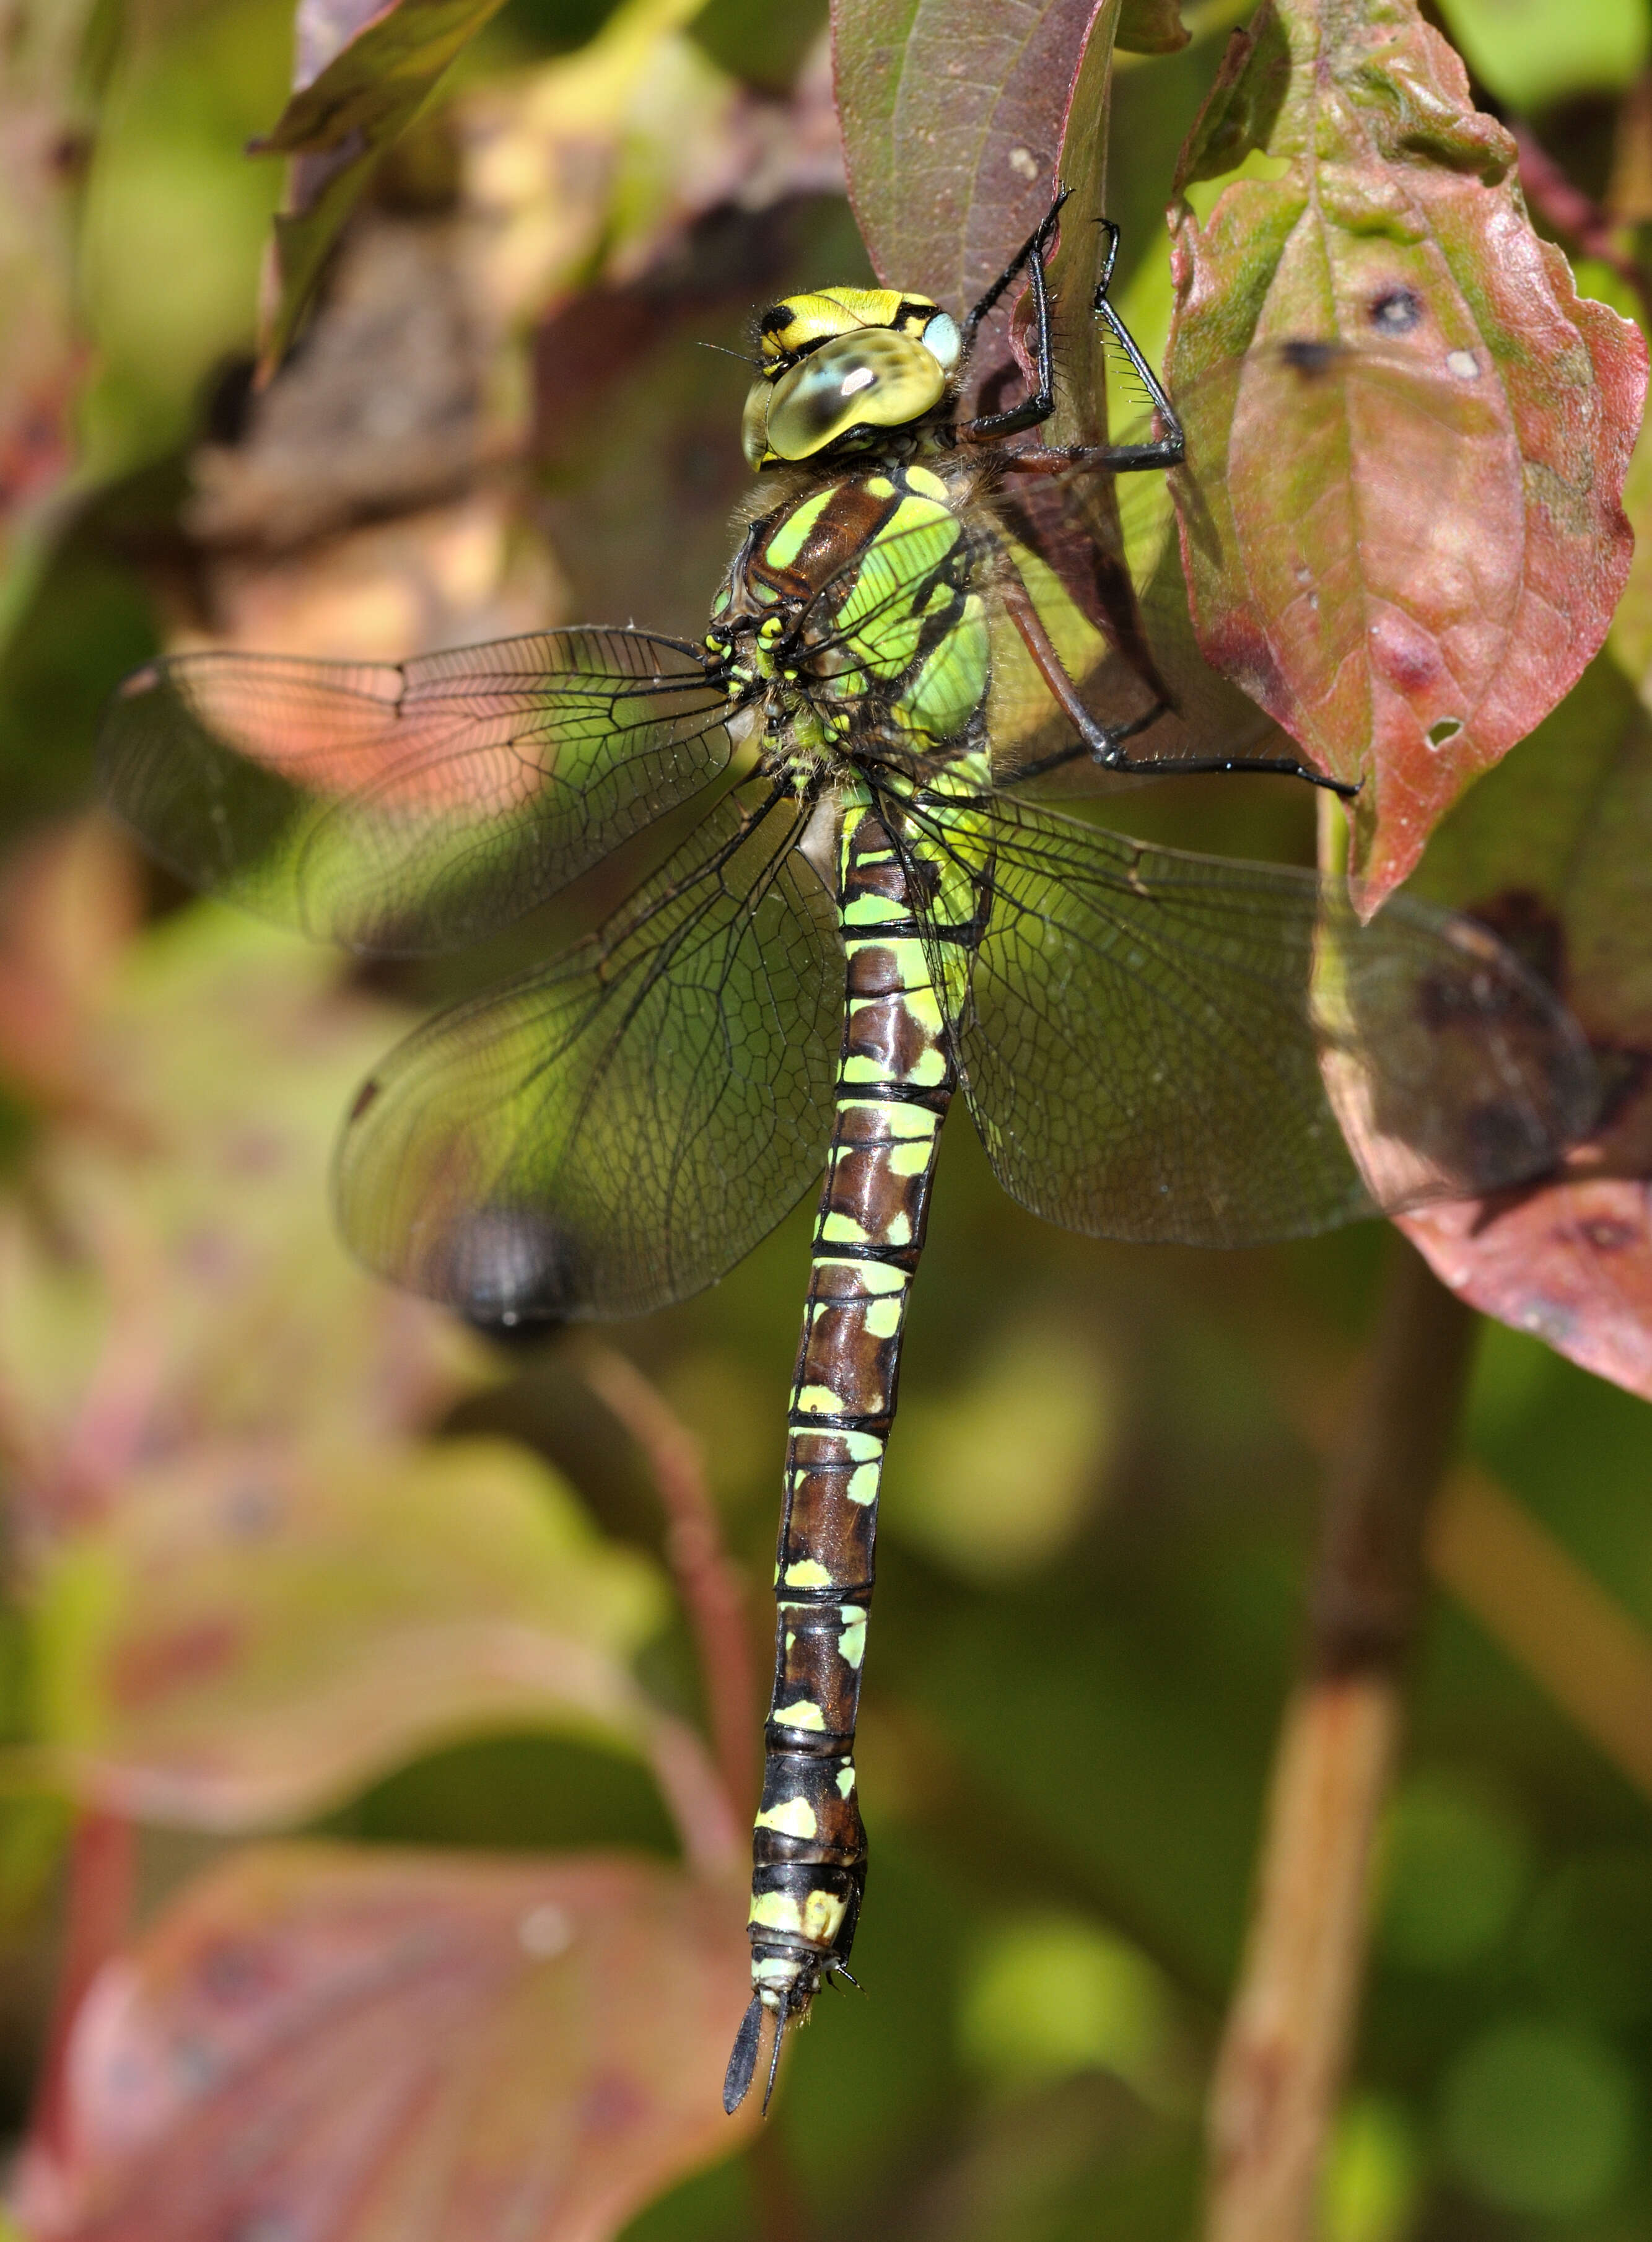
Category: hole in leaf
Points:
column 1446, row 730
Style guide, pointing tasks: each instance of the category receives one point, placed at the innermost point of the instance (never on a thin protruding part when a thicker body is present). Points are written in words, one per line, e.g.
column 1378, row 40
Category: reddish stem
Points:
column 711, row 1587
column 1575, row 215
column 101, row 1874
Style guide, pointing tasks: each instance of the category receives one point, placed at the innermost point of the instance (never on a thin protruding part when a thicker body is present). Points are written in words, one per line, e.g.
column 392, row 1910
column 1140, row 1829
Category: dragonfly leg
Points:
column 1166, row 451
column 1042, row 402
column 1105, row 743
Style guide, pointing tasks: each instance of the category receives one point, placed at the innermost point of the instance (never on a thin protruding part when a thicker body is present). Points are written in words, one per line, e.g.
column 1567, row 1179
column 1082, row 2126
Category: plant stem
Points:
column 711, row 1587
column 1285, row 2052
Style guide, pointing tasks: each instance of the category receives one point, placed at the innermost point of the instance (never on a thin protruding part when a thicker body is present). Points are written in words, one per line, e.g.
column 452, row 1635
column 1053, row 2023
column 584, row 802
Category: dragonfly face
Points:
column 1152, row 1045
column 843, row 370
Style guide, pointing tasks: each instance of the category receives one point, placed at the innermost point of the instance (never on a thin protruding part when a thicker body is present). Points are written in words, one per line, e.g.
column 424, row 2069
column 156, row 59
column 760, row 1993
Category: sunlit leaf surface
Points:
column 171, row 1274
column 254, row 1632
column 350, row 2046
column 952, row 121
column 1408, row 569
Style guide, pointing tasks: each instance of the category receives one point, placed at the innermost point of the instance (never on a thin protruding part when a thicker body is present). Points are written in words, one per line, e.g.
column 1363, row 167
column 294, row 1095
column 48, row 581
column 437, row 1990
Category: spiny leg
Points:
column 1105, row 743
column 897, row 1075
column 1042, row 403
column 1166, row 451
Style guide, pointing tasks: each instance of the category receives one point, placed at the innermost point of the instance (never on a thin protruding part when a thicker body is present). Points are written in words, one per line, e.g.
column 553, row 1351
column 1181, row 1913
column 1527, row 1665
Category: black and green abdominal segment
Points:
column 896, row 1079
column 871, row 913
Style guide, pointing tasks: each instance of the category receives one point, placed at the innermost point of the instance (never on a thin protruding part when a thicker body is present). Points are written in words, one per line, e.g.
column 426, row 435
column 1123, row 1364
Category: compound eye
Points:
column 873, row 376
column 754, row 423
column 943, row 341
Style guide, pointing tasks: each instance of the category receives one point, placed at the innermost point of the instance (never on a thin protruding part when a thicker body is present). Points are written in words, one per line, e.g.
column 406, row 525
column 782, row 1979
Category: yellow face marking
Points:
column 805, row 1713
column 793, row 1817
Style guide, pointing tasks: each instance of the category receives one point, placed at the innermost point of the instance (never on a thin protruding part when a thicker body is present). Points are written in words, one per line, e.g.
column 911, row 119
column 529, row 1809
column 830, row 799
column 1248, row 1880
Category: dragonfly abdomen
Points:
column 896, row 1074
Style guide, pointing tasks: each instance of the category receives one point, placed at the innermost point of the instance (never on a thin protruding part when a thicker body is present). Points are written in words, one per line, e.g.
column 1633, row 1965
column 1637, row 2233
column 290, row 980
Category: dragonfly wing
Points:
column 615, row 1129
column 410, row 807
column 1166, row 1047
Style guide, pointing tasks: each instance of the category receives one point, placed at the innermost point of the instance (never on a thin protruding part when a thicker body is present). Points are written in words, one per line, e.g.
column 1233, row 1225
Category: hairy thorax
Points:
column 852, row 627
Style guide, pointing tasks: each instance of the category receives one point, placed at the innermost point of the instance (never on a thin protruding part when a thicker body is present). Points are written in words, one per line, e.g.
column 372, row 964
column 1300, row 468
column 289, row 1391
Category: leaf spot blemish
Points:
column 545, row 1931
column 1397, row 311
column 1306, row 355
column 1606, row 1236
column 1024, row 162
column 1464, row 365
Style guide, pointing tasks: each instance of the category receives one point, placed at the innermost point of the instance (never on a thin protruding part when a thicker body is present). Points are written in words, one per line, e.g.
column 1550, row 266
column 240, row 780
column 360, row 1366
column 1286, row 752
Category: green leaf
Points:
column 1531, row 53
column 1407, row 436
column 349, row 2043
column 254, row 1632
column 1151, row 27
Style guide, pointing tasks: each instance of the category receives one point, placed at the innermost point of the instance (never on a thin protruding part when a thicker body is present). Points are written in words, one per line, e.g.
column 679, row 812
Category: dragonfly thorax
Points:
column 851, row 629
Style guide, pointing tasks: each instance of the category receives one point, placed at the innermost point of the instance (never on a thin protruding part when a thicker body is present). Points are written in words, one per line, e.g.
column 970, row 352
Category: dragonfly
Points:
column 872, row 912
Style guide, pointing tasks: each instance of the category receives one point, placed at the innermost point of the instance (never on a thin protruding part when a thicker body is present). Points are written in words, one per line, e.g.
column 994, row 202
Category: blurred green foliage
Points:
column 1101, row 1492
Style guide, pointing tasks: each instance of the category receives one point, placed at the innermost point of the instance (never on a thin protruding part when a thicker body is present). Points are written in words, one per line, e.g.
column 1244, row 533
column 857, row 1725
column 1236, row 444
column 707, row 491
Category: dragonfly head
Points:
column 842, row 367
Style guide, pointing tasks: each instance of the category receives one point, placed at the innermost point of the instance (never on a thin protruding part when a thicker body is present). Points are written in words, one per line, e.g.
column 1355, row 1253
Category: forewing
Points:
column 615, row 1129
column 1166, row 1047
column 412, row 807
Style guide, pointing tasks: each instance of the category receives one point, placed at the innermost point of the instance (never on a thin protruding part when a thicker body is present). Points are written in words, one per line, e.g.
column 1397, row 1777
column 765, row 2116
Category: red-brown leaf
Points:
column 953, row 113
column 1552, row 849
column 1406, row 581
column 349, row 2045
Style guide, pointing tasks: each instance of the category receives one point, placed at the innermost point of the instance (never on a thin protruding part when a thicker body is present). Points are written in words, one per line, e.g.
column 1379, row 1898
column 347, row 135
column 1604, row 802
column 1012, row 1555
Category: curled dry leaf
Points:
column 325, row 2041
column 1553, row 850
column 1402, row 523
column 255, row 1631
column 364, row 68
